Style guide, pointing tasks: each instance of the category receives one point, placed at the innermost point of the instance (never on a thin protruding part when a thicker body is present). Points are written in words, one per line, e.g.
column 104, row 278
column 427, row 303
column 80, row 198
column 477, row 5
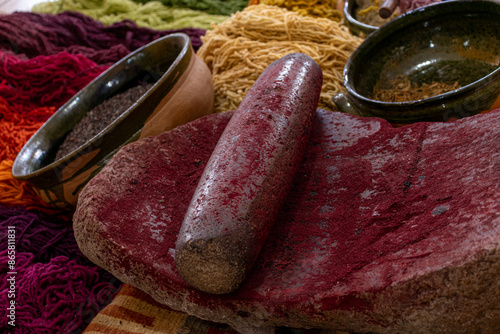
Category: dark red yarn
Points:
column 36, row 34
column 44, row 80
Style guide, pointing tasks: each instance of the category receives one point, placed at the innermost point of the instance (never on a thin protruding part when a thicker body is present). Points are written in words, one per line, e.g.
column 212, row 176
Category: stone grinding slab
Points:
column 385, row 230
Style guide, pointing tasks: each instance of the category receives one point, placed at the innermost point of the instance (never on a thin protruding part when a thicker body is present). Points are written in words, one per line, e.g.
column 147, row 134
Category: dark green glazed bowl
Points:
column 356, row 27
column 447, row 41
column 175, row 71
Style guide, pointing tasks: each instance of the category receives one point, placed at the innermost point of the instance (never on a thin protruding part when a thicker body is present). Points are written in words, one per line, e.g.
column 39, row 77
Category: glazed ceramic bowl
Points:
column 355, row 26
column 452, row 41
column 182, row 91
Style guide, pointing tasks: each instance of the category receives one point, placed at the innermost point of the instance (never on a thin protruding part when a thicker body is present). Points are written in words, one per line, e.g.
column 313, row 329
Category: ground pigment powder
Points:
column 99, row 118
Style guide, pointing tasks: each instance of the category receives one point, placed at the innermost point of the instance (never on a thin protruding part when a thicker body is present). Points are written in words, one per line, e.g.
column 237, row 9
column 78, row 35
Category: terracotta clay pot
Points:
column 182, row 91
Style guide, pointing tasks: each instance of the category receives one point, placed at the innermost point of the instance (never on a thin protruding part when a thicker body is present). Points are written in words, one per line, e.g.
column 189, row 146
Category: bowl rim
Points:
column 402, row 21
column 82, row 149
column 363, row 27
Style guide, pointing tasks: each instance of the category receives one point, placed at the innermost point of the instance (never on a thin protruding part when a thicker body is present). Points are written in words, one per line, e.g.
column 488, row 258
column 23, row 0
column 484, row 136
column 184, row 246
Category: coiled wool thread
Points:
column 215, row 7
column 316, row 8
column 152, row 14
column 239, row 49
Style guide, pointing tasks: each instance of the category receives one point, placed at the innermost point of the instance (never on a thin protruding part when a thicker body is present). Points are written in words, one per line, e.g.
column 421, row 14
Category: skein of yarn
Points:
column 36, row 34
column 215, row 7
column 315, row 8
column 44, row 80
column 152, row 14
column 58, row 288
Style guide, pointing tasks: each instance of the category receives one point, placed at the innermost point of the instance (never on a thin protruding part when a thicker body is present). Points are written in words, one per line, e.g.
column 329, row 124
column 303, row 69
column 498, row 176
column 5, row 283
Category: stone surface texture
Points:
column 385, row 230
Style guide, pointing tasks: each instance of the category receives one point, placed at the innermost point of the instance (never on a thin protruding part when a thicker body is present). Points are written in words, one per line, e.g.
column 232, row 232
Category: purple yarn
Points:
column 57, row 289
column 36, row 34
column 43, row 236
column 60, row 296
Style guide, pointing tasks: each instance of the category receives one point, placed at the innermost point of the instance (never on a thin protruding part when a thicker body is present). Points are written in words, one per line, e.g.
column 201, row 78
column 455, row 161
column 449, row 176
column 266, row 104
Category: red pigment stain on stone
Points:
column 147, row 214
column 371, row 206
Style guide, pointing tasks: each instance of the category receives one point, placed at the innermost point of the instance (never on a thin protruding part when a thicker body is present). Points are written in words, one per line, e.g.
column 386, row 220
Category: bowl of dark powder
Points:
column 144, row 94
column 436, row 63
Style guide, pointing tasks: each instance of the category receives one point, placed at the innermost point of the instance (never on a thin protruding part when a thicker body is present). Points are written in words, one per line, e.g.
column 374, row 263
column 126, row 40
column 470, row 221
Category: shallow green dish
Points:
column 168, row 62
column 447, row 41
